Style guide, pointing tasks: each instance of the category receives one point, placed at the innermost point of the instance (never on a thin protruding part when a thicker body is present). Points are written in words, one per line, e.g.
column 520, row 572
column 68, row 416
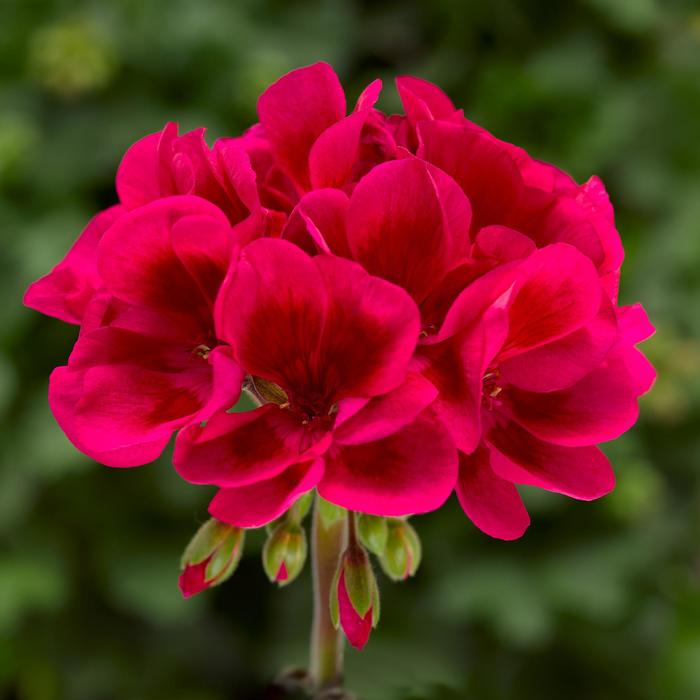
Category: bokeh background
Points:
column 599, row 601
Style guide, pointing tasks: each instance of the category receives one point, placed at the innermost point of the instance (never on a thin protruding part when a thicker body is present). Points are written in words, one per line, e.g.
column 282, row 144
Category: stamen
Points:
column 202, row 351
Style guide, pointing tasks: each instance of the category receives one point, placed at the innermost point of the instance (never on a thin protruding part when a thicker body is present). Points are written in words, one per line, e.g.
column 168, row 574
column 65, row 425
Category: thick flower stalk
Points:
column 417, row 308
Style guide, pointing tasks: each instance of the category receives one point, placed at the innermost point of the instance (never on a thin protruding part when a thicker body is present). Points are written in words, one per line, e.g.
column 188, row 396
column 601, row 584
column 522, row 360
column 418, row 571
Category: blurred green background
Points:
column 599, row 601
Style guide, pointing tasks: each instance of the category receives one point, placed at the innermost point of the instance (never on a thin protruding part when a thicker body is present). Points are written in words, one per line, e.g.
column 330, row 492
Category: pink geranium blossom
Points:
column 148, row 360
column 440, row 304
column 337, row 343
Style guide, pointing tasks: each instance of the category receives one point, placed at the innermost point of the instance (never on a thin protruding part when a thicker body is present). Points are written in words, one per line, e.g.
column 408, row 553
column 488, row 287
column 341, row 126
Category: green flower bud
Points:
column 354, row 602
column 284, row 553
column 402, row 554
column 211, row 557
column 373, row 532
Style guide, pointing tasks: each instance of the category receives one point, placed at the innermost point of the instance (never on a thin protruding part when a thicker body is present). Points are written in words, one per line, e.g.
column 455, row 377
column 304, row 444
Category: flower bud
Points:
column 211, row 557
column 402, row 553
column 284, row 553
column 355, row 596
column 373, row 532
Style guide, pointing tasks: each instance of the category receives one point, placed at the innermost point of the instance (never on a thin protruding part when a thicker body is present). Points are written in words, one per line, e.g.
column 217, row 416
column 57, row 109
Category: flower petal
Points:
column 396, row 227
column 600, row 407
column 67, row 290
column 580, row 472
column 369, row 96
column 272, row 310
column 491, row 503
column 383, row 415
column 204, row 245
column 235, row 449
column 335, row 152
column 317, row 223
column 557, row 293
column 65, row 391
column 142, row 176
column 257, row 504
column 565, row 361
column 137, row 260
column 411, row 471
column 456, row 367
column 481, row 166
column 434, row 101
column 370, row 333
column 296, row 110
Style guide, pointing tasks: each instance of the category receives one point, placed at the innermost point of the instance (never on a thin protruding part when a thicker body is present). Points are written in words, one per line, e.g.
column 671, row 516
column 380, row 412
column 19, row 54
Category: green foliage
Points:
column 599, row 602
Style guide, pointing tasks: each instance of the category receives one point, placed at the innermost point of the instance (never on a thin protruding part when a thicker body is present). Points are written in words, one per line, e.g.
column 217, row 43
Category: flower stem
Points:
column 327, row 544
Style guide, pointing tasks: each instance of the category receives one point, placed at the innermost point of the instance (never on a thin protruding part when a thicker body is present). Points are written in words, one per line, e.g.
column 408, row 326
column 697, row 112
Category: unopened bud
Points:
column 355, row 596
column 284, row 553
column 373, row 532
column 211, row 557
column 402, row 553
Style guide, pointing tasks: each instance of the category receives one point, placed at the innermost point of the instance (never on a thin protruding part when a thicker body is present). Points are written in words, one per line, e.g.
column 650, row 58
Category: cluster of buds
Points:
column 215, row 550
column 355, row 604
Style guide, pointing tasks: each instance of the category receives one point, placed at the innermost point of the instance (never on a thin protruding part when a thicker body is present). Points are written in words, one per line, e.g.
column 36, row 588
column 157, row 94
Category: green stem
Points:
column 326, row 643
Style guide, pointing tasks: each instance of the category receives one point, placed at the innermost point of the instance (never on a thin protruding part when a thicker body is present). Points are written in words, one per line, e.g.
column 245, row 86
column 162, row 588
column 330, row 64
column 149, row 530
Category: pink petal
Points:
column 137, row 260
column 192, row 580
column 125, row 404
column 317, row 224
column 560, row 219
column 456, row 367
column 357, row 629
column 641, row 372
column 304, row 323
column 396, row 228
column 257, row 504
column 593, row 197
column 481, row 166
column 272, row 310
column 634, row 324
column 236, row 449
column 434, row 100
column 141, row 177
column 580, row 472
column 558, row 292
column 262, row 223
column 561, row 363
column 369, row 96
column 491, row 503
column 336, row 151
column 227, row 379
column 296, row 110
column 66, row 291
column 600, row 407
column 237, row 178
column 411, row 471
column 204, row 246
column 456, row 211
column 370, row 333
column 65, row 391
column 383, row 415
column 499, row 244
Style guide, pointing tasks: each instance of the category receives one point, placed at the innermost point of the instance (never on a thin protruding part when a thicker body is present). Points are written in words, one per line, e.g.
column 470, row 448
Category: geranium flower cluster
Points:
column 418, row 307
